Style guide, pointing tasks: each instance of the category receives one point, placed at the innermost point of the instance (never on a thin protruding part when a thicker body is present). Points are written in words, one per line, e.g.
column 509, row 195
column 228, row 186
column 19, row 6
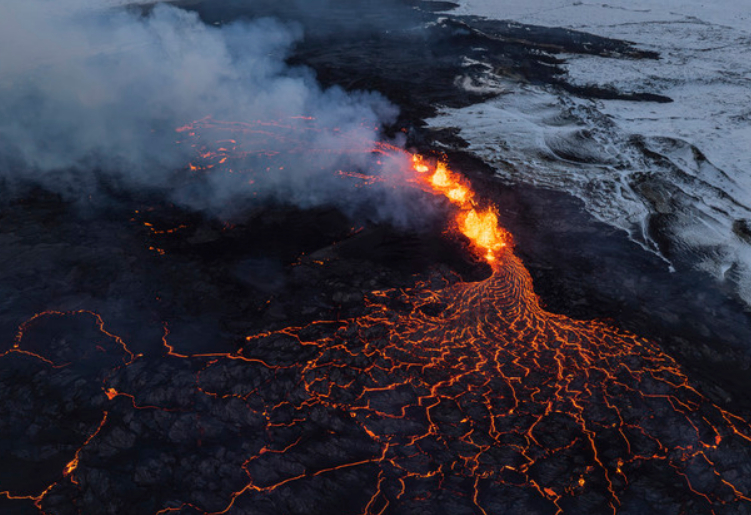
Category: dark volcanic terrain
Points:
column 155, row 359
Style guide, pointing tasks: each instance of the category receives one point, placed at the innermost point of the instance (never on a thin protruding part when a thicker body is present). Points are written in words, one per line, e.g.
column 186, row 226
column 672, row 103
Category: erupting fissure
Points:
column 466, row 394
column 480, row 226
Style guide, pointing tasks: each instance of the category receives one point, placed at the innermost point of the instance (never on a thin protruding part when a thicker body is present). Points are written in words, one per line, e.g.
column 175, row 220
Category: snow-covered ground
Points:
column 604, row 15
column 689, row 160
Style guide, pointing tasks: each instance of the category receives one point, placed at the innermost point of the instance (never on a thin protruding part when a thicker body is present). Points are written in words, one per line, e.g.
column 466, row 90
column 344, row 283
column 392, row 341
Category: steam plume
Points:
column 86, row 93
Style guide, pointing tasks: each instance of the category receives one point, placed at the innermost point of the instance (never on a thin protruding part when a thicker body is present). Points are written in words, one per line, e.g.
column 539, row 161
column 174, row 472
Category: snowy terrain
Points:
column 674, row 175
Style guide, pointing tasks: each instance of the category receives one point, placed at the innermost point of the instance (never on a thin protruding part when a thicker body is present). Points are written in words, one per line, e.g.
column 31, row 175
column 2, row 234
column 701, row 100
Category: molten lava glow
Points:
column 482, row 230
column 480, row 226
column 466, row 392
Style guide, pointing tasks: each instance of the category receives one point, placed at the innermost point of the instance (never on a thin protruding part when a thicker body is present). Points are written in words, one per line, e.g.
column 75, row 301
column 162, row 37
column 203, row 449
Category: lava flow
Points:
column 449, row 396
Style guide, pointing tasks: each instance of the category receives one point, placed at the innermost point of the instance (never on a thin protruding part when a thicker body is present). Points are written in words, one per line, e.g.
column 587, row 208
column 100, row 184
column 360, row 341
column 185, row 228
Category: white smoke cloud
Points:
column 88, row 92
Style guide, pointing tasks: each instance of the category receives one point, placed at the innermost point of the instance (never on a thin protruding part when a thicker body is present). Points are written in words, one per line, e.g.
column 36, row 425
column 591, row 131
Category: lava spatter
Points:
column 480, row 226
column 463, row 396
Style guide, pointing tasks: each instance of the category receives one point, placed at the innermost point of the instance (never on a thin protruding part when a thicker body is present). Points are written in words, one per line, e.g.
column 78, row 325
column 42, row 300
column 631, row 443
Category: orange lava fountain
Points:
column 481, row 227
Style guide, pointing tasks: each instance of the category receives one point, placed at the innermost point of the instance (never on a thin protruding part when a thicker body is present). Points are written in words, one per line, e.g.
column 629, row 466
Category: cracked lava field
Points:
column 447, row 396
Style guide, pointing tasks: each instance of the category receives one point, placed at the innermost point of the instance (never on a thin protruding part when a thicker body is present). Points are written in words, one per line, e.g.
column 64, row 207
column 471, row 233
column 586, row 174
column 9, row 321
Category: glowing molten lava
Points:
column 480, row 226
column 447, row 396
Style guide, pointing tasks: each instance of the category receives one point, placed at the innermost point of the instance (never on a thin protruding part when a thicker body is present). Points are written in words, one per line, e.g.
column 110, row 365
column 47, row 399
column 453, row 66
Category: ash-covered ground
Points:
column 162, row 356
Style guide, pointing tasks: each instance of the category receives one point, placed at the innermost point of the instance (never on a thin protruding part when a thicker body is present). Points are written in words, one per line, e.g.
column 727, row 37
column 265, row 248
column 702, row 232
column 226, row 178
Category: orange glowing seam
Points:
column 67, row 472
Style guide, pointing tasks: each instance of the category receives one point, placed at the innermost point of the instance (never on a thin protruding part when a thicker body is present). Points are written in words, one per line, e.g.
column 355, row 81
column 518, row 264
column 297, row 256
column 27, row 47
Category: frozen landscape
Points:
column 675, row 175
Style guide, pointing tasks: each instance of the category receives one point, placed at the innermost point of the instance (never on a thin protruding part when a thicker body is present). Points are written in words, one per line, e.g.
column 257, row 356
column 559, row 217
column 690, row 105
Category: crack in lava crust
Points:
column 468, row 396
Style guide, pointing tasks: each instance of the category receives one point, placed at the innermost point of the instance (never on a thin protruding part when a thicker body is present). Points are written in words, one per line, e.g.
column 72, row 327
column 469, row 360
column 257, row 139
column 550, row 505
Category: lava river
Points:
column 447, row 397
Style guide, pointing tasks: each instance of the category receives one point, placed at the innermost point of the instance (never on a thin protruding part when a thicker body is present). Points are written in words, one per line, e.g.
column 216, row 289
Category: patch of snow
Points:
column 599, row 150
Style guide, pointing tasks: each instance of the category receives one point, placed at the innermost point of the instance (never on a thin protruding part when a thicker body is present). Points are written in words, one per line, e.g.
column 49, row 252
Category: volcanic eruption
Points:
column 466, row 395
column 236, row 291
